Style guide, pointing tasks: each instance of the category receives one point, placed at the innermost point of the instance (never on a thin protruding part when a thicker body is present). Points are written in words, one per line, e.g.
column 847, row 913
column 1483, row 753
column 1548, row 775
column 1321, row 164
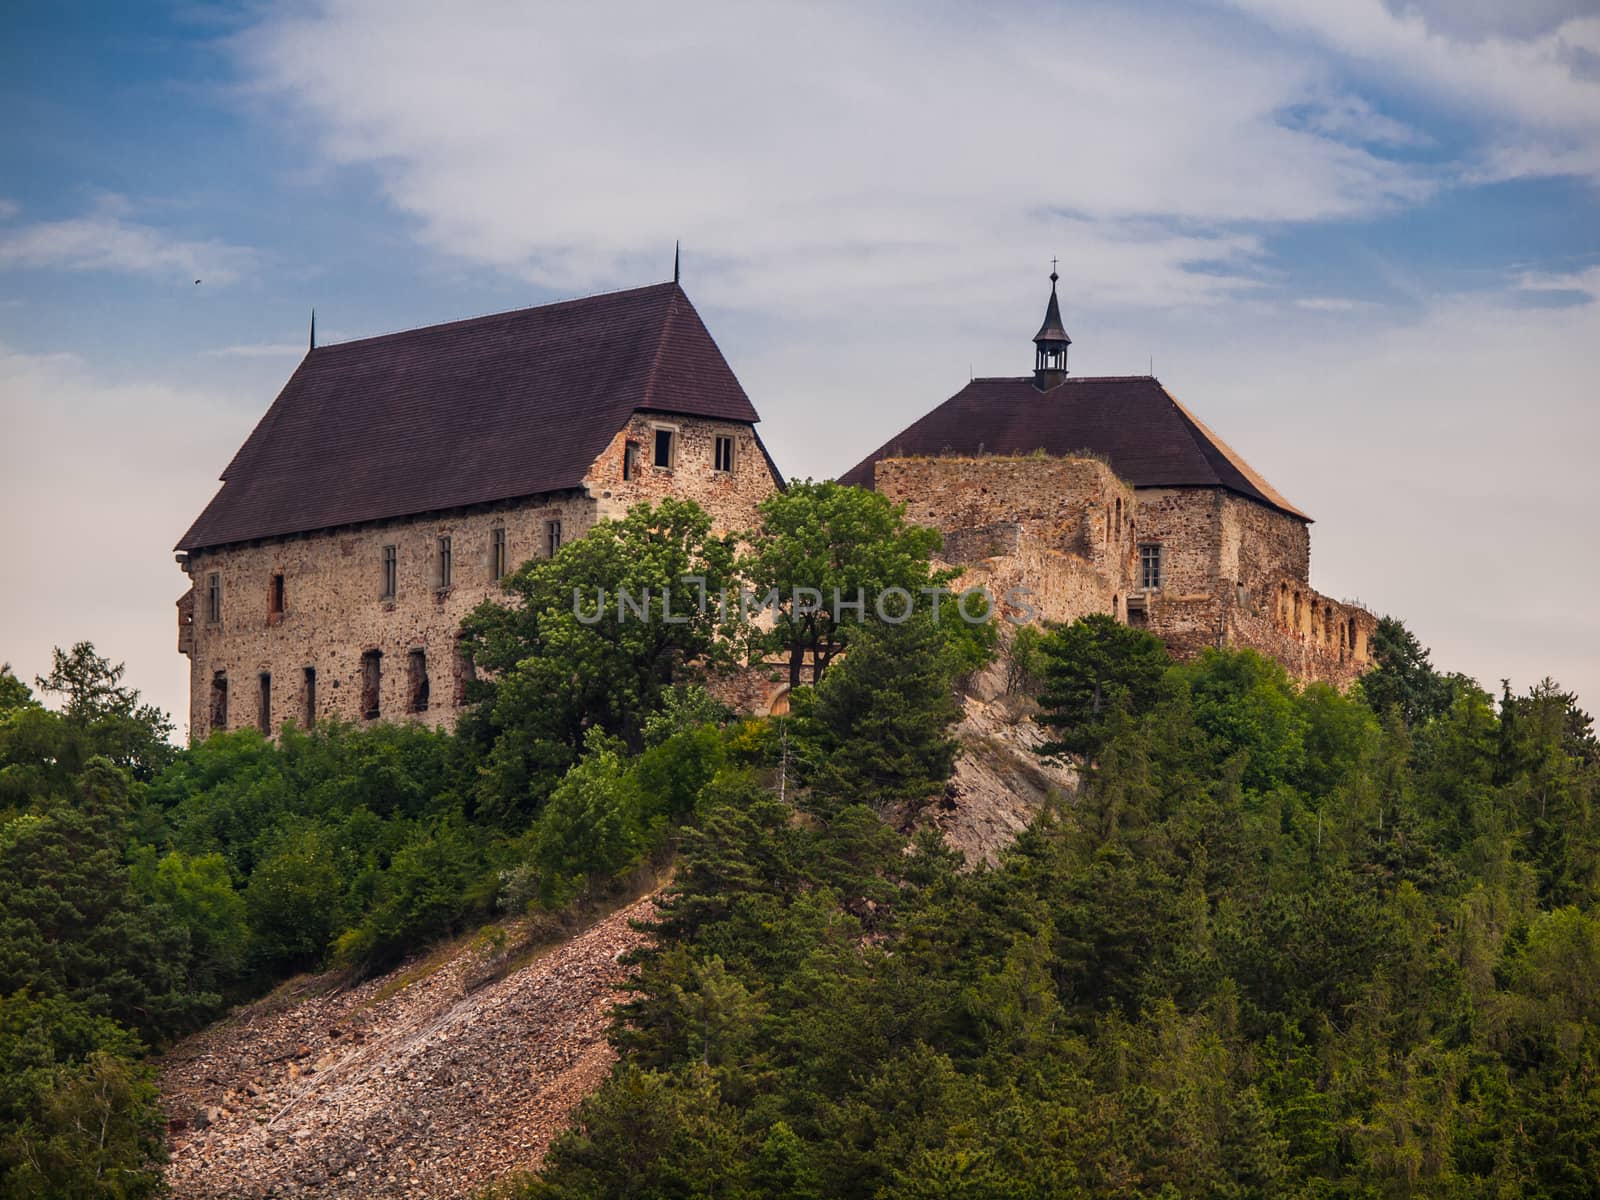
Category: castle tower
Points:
column 1050, row 343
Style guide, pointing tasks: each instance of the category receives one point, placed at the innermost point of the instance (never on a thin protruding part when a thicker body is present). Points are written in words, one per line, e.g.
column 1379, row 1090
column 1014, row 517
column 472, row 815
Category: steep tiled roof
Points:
column 1136, row 424
column 490, row 408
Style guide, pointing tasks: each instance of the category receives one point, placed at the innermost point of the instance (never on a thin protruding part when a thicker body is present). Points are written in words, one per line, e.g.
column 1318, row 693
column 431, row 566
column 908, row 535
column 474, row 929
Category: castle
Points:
column 396, row 479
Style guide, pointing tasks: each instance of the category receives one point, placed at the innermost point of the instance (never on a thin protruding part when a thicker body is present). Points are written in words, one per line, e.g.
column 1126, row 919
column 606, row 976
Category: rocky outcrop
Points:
column 1000, row 782
column 428, row 1082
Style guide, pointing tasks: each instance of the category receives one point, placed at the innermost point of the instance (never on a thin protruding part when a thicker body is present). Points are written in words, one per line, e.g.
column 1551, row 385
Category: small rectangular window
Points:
column 213, row 597
column 724, row 454
column 391, row 573
column 417, row 680
column 219, row 701
column 630, row 461
column 1150, row 567
column 445, row 565
column 310, row 697
column 275, row 598
column 371, row 684
column 264, row 712
column 552, row 536
column 666, row 447
column 497, row 552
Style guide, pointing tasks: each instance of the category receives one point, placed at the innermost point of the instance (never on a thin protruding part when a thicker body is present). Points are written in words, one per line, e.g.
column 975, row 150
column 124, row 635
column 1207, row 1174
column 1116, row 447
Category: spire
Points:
column 674, row 262
column 313, row 328
column 1051, row 342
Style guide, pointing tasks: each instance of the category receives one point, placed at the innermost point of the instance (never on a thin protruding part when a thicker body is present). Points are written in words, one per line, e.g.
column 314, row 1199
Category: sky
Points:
column 1360, row 238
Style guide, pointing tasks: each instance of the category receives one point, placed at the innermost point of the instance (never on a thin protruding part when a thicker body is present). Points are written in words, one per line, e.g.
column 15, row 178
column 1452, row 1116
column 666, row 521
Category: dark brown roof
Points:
column 490, row 408
column 1149, row 438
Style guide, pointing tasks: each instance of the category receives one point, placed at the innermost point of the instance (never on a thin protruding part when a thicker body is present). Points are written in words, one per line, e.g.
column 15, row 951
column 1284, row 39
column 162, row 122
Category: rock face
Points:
column 415, row 1084
column 999, row 782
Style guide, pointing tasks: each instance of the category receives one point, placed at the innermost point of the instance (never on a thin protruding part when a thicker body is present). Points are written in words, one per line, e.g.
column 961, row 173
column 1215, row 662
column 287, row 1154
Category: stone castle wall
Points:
column 1233, row 572
column 334, row 613
column 1076, row 506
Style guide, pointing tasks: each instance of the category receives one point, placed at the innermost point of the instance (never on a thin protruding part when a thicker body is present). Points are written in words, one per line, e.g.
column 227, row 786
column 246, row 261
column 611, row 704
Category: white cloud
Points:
column 259, row 350
column 8, row 209
column 98, row 495
column 1523, row 70
column 868, row 151
column 105, row 240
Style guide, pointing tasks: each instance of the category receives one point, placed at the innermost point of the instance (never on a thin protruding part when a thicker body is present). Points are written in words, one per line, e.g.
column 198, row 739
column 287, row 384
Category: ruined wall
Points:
column 1076, row 506
column 334, row 611
column 1023, row 574
column 1233, row 572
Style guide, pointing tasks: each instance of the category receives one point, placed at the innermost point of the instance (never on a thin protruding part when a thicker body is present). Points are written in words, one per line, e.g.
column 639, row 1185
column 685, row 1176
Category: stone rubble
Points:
column 417, row 1084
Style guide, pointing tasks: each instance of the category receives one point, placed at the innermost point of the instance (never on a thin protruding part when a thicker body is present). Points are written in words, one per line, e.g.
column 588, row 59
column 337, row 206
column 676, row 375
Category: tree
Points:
column 105, row 717
column 13, row 692
column 1091, row 666
column 569, row 651
column 816, row 541
column 875, row 729
column 1404, row 677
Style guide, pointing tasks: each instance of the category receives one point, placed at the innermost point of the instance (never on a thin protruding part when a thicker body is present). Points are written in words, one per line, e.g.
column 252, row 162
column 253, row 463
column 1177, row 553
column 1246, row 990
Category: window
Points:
column 264, row 710
column 275, row 599
column 630, row 461
column 219, row 700
column 552, row 537
column 445, row 565
column 1150, row 567
column 723, row 454
column 371, row 683
column 497, row 552
column 213, row 597
column 391, row 573
column 666, row 447
column 417, row 680
column 310, row 698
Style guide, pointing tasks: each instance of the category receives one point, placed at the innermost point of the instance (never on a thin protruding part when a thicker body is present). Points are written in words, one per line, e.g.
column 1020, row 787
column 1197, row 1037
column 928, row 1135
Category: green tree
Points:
column 1403, row 676
column 133, row 735
column 818, row 540
column 875, row 730
column 79, row 1114
column 564, row 663
column 1092, row 666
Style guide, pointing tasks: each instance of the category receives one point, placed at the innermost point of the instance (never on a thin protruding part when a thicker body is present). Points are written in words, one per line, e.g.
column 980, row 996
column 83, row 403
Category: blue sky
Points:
column 1361, row 238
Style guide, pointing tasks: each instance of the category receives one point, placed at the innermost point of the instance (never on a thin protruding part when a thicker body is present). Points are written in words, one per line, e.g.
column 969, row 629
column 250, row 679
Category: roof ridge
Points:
column 460, row 322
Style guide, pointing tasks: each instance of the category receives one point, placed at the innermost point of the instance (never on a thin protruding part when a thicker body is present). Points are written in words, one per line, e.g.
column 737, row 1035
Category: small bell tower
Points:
column 1050, row 343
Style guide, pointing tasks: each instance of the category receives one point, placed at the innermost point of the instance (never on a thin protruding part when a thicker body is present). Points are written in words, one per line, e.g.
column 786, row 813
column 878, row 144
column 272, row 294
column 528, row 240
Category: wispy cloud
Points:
column 1523, row 70
column 8, row 209
column 869, row 151
column 259, row 350
column 107, row 240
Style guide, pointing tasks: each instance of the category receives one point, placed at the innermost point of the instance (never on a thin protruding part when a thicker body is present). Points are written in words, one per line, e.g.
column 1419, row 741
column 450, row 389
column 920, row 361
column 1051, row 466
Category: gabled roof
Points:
column 1149, row 438
column 491, row 408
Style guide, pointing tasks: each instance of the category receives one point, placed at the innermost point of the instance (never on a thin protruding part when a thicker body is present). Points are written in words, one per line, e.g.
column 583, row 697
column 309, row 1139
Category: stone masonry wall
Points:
column 333, row 610
column 1233, row 572
column 1076, row 506
column 729, row 496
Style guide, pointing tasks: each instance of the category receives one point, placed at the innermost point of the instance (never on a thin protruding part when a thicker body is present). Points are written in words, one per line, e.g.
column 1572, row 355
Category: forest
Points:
column 1281, row 942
